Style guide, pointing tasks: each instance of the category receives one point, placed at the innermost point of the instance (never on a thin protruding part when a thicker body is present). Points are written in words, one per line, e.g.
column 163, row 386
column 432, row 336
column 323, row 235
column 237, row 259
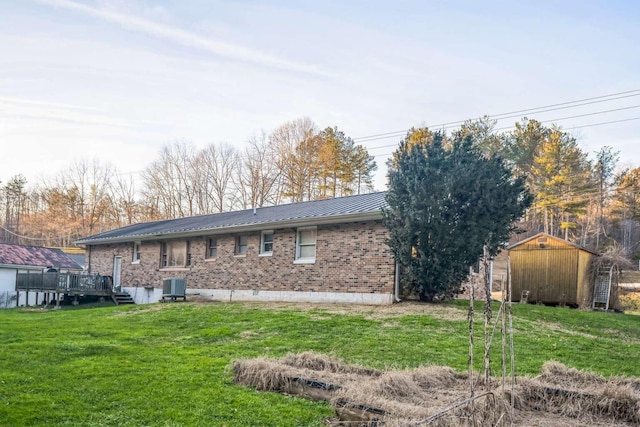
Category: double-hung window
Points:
column 135, row 259
column 306, row 245
column 212, row 247
column 241, row 245
column 266, row 243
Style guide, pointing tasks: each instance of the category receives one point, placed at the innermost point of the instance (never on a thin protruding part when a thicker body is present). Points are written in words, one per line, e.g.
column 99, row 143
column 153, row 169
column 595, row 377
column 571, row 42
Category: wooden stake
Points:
column 470, row 318
column 513, row 359
column 487, row 317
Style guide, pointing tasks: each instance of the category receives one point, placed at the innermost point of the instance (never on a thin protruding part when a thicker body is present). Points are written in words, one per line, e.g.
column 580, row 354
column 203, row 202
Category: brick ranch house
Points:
column 330, row 250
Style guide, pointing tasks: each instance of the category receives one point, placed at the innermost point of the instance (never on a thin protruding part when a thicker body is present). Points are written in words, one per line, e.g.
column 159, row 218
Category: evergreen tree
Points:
column 561, row 176
column 445, row 202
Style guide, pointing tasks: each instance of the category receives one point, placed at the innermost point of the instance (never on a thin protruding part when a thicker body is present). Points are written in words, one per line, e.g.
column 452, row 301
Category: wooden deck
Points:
column 65, row 283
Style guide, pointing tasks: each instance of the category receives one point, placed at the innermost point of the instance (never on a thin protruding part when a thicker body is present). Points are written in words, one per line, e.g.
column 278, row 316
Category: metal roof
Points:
column 35, row 256
column 325, row 211
column 522, row 242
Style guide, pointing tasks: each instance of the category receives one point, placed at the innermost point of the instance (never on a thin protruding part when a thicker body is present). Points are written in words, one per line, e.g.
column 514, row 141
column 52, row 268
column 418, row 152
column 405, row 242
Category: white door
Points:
column 117, row 270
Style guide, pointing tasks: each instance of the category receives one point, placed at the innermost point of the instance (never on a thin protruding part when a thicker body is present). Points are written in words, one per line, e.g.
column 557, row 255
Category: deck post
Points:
column 17, row 298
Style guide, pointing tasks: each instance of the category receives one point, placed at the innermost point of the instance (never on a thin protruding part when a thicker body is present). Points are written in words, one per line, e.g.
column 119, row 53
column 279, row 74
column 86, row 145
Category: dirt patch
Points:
column 146, row 309
column 440, row 396
column 372, row 312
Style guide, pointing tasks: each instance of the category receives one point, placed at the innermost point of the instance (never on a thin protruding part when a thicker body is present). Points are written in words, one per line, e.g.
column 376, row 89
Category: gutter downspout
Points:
column 396, row 288
column 89, row 260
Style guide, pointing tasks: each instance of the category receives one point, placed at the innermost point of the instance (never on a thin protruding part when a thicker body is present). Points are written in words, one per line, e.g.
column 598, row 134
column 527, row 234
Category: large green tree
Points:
column 446, row 201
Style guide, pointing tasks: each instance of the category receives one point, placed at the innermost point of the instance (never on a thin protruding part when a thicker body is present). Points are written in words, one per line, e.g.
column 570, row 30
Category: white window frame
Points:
column 306, row 260
column 136, row 256
column 263, row 251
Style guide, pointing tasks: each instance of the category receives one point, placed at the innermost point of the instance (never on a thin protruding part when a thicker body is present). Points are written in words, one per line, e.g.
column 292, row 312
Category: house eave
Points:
column 299, row 222
column 21, row 267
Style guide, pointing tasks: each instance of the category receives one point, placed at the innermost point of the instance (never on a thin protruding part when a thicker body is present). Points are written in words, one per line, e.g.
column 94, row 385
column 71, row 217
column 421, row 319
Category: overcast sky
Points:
column 117, row 80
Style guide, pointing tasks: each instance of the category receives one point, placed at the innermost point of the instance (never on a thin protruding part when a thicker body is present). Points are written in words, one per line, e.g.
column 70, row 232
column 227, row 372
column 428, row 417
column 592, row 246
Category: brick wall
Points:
column 349, row 258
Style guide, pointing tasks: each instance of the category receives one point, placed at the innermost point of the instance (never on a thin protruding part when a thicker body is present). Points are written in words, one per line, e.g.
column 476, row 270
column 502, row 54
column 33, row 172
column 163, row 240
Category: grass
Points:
column 168, row 364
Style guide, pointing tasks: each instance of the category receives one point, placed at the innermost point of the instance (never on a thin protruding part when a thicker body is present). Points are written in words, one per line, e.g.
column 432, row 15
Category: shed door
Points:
column 117, row 270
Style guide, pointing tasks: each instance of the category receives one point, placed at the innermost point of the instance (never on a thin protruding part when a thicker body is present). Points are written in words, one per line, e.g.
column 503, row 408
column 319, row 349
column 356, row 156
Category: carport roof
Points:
column 35, row 256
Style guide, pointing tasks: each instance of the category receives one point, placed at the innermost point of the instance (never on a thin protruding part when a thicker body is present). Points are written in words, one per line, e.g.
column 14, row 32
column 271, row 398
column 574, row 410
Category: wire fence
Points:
column 8, row 299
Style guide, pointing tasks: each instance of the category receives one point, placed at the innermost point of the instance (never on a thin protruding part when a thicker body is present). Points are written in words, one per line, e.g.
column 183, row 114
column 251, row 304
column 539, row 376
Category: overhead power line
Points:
column 21, row 236
column 510, row 127
column 516, row 113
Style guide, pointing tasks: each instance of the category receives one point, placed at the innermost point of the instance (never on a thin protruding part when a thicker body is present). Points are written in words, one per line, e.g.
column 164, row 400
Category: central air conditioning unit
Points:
column 174, row 287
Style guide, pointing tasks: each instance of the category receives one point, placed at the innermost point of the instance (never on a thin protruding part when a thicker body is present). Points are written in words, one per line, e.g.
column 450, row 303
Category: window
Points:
column 306, row 245
column 212, row 247
column 266, row 243
column 175, row 254
column 136, row 253
column 241, row 245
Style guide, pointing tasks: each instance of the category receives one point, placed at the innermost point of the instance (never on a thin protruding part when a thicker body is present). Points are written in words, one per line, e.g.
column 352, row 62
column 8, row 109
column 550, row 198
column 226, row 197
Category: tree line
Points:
column 293, row 163
column 586, row 198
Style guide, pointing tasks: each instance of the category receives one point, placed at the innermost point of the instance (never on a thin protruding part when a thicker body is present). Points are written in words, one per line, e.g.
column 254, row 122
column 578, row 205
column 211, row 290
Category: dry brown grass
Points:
column 440, row 396
column 372, row 312
column 147, row 309
column 324, row 363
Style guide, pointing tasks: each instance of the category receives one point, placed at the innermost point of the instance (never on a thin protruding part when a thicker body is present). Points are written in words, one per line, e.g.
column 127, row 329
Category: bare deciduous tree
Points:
column 215, row 166
column 168, row 181
column 257, row 178
column 297, row 145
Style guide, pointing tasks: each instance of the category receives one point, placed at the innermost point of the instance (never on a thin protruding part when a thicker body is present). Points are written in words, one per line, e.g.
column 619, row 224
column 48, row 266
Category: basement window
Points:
column 306, row 245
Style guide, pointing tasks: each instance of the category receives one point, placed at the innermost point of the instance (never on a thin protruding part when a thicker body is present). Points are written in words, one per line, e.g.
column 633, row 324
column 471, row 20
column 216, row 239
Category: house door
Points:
column 117, row 270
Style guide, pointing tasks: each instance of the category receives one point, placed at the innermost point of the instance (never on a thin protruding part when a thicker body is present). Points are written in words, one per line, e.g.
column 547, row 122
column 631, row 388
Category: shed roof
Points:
column 548, row 236
column 325, row 211
column 35, row 256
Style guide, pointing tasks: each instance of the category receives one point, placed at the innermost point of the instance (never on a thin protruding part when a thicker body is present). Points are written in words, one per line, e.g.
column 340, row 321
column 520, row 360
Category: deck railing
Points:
column 67, row 283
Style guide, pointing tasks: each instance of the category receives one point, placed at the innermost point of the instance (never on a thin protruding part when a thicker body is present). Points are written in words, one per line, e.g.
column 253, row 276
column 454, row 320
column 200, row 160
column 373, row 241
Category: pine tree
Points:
column 560, row 174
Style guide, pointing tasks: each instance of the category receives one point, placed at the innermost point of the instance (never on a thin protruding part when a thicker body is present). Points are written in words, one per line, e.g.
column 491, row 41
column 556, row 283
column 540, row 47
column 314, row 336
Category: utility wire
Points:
column 518, row 113
column 22, row 237
column 543, row 121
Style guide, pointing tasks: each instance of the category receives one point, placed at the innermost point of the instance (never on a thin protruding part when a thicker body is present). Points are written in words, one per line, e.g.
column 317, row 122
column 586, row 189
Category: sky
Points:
column 117, row 80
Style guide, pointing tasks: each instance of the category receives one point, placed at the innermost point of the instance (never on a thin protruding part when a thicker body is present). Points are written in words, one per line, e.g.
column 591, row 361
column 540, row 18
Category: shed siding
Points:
column 351, row 258
column 549, row 274
column 584, row 288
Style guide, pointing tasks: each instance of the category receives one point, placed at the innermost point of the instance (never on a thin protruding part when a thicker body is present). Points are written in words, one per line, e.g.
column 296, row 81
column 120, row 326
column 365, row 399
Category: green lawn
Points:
column 168, row 364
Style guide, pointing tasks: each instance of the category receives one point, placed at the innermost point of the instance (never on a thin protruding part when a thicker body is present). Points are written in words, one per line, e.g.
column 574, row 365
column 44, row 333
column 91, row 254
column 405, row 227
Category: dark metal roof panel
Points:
column 316, row 209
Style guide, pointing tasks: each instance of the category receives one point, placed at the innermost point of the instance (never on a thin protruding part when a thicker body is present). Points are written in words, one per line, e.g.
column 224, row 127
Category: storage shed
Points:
column 552, row 270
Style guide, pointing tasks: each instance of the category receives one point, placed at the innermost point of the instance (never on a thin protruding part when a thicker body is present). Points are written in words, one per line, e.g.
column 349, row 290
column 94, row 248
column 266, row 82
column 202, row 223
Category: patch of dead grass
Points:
column 146, row 309
column 371, row 312
column 440, row 396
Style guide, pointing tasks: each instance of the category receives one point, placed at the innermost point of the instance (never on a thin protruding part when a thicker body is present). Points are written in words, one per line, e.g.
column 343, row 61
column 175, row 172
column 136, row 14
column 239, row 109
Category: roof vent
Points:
column 541, row 242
